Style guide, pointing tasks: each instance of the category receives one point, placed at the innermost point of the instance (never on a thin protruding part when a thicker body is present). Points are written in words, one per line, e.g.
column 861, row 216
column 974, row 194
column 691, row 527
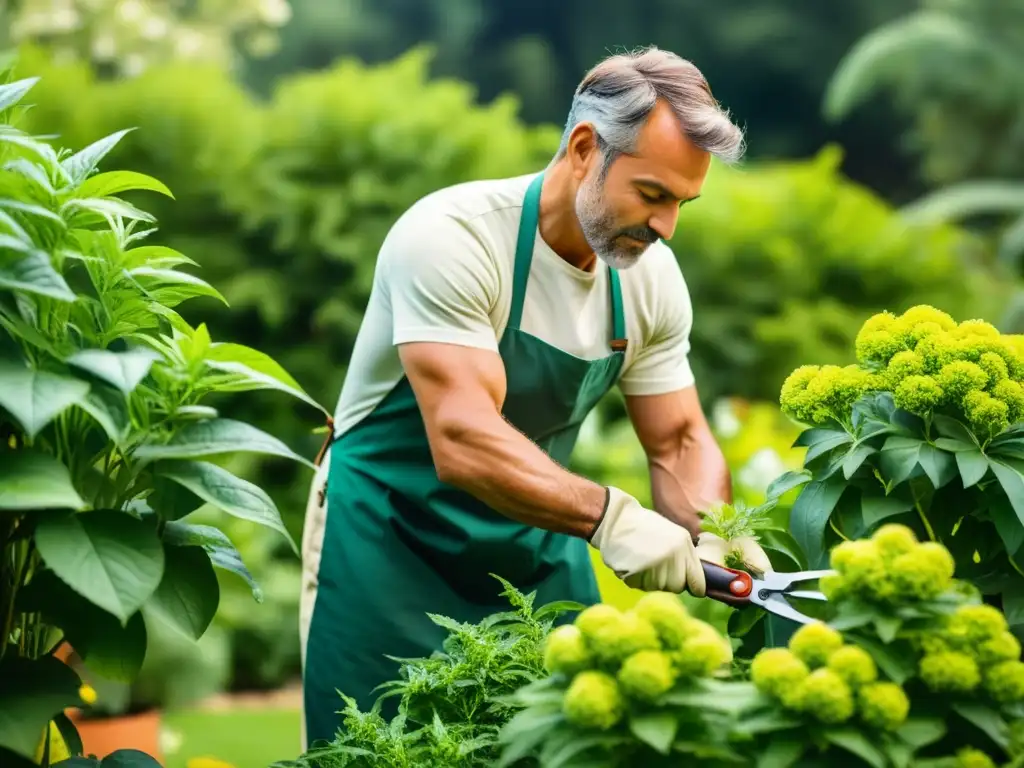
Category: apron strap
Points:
column 618, row 342
column 524, row 250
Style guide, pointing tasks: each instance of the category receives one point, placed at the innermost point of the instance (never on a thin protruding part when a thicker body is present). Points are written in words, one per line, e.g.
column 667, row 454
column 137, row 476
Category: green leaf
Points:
column 855, row 742
column 12, row 93
column 938, row 465
column 36, row 481
column 896, row 667
column 33, row 692
column 887, row 628
column 1012, row 482
column 112, row 650
column 875, row 509
column 114, row 182
column 110, row 410
column 954, row 430
column 230, row 493
column 1013, row 604
column 919, row 732
column 108, row 208
column 69, row 733
column 899, row 458
column 123, row 370
column 810, row 514
column 34, row 273
column 34, row 398
column 217, row 436
column 655, row 729
column 218, row 547
column 986, row 720
column 973, row 466
column 855, row 458
column 109, row 557
column 156, row 256
column 781, row 753
column 821, row 441
column 786, row 482
column 256, row 370
column 82, row 163
column 1007, row 524
column 185, row 285
column 784, row 543
column 189, row 593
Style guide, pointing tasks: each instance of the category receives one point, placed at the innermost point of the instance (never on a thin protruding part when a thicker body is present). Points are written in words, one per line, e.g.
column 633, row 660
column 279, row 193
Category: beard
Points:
column 603, row 234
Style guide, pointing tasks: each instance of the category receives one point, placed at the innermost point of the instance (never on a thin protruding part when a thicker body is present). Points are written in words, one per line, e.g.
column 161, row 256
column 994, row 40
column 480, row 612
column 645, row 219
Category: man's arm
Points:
column 460, row 391
column 688, row 470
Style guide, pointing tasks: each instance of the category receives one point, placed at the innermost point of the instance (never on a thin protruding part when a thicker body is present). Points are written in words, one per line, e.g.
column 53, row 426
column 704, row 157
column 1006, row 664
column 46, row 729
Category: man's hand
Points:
column 646, row 550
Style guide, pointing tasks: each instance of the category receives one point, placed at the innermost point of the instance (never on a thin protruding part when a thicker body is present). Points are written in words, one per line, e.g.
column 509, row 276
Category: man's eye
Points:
column 649, row 198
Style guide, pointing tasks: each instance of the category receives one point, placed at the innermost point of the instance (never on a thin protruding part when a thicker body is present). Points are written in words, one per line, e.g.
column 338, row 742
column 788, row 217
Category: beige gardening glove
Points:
column 715, row 549
column 646, row 550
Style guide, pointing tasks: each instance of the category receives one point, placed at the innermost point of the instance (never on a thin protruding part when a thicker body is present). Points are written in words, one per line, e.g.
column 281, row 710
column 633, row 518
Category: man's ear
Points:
column 582, row 150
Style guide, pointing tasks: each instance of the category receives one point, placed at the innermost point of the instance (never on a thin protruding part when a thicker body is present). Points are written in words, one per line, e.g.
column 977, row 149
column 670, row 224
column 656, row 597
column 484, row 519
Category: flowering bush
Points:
column 925, row 429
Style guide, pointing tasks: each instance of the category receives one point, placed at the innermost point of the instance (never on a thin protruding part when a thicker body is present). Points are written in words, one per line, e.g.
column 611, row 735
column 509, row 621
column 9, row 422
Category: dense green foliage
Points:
column 109, row 440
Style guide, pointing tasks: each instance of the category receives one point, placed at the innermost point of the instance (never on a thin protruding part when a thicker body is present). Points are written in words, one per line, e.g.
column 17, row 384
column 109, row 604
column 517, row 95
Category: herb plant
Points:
column 108, row 441
column 925, row 430
column 451, row 705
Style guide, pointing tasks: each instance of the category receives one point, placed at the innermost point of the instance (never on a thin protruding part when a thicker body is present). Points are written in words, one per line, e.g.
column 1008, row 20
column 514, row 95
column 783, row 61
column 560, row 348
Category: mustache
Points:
column 643, row 234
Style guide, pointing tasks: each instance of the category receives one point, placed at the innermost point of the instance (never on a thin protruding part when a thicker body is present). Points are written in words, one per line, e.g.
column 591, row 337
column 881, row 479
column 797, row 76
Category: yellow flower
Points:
column 87, row 694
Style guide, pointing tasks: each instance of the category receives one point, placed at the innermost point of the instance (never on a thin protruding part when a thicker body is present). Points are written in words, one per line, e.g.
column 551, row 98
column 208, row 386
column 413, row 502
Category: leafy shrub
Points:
column 450, row 706
column 923, row 430
column 107, row 440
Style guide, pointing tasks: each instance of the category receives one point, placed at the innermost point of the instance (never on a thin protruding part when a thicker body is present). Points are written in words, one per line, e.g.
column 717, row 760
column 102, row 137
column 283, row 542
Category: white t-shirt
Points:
column 444, row 274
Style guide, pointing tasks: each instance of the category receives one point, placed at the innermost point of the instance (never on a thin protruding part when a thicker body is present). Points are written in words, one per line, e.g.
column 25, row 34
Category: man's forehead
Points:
column 665, row 157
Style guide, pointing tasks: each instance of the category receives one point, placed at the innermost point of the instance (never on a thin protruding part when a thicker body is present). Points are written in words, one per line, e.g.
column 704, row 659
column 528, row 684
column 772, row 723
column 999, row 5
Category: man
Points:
column 501, row 312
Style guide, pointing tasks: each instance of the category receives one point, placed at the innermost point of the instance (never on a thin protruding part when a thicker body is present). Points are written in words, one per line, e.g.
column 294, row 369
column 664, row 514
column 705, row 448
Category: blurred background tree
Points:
column 297, row 132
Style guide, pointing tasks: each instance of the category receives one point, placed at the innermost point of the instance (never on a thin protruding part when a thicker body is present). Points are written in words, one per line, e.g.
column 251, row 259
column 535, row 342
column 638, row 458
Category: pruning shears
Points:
column 739, row 588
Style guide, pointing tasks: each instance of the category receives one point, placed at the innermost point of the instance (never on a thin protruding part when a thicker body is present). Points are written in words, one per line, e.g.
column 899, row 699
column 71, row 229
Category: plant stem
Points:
column 924, row 520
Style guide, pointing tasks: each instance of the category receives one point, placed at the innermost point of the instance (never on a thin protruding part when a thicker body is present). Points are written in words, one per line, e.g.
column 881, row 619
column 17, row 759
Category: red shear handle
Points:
column 726, row 585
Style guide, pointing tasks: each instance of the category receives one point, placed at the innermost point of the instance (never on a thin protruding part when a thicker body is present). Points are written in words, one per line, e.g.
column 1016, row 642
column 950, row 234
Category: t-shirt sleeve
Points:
column 441, row 282
column 663, row 363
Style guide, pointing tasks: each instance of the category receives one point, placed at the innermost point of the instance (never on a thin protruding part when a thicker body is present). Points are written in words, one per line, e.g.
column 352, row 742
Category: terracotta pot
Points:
column 101, row 736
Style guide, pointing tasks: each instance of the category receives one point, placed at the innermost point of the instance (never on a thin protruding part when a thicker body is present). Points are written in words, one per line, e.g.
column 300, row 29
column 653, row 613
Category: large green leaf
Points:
column 109, row 557
column 114, row 182
column 786, row 482
column 1008, row 473
column 34, row 398
column 986, row 720
column 857, row 743
column 110, row 410
column 820, row 441
column 953, row 429
column 36, row 481
column 33, row 692
column 218, row 436
column 901, row 455
column 81, row 164
column 809, row 517
column 109, row 208
column 123, row 370
column 255, row 370
column 1007, row 524
column 973, row 466
column 189, row 592
column 184, row 285
column 111, row 650
column 875, row 509
column 14, row 92
column 655, row 729
column 230, row 493
column 34, row 273
column 218, row 546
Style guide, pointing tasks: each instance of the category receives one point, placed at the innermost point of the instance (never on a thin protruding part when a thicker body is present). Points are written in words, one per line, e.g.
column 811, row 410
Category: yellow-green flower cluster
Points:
column 891, row 567
column 927, row 360
column 974, row 652
column 614, row 658
column 820, row 676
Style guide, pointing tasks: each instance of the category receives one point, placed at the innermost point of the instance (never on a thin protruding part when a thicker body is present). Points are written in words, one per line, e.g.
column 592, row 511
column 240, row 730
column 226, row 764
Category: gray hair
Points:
column 618, row 95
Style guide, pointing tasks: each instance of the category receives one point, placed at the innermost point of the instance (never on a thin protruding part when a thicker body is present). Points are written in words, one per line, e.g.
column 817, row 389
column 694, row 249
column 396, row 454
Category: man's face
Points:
column 624, row 208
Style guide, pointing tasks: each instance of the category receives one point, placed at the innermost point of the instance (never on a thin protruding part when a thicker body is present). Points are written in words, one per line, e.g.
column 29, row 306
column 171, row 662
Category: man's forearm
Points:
column 690, row 478
column 504, row 469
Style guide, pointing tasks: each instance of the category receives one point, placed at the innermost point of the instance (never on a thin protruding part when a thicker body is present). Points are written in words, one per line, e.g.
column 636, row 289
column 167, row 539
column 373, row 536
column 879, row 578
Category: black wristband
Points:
column 607, row 501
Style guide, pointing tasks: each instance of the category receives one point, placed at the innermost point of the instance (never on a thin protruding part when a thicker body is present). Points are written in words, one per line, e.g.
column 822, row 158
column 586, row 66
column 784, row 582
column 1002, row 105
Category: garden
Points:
column 186, row 248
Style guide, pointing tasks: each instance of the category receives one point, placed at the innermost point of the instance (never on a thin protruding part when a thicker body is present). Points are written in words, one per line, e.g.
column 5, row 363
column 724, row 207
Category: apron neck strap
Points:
column 524, row 258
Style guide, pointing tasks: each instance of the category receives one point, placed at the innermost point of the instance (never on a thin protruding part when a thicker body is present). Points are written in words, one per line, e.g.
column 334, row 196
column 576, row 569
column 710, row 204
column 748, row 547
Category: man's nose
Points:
column 664, row 222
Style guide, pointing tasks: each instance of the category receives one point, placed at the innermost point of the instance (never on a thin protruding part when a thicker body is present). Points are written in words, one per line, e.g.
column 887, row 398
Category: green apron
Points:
column 398, row 543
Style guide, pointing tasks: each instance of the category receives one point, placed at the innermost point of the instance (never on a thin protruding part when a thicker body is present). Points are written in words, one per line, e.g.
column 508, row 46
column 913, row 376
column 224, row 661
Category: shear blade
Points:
column 777, row 605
